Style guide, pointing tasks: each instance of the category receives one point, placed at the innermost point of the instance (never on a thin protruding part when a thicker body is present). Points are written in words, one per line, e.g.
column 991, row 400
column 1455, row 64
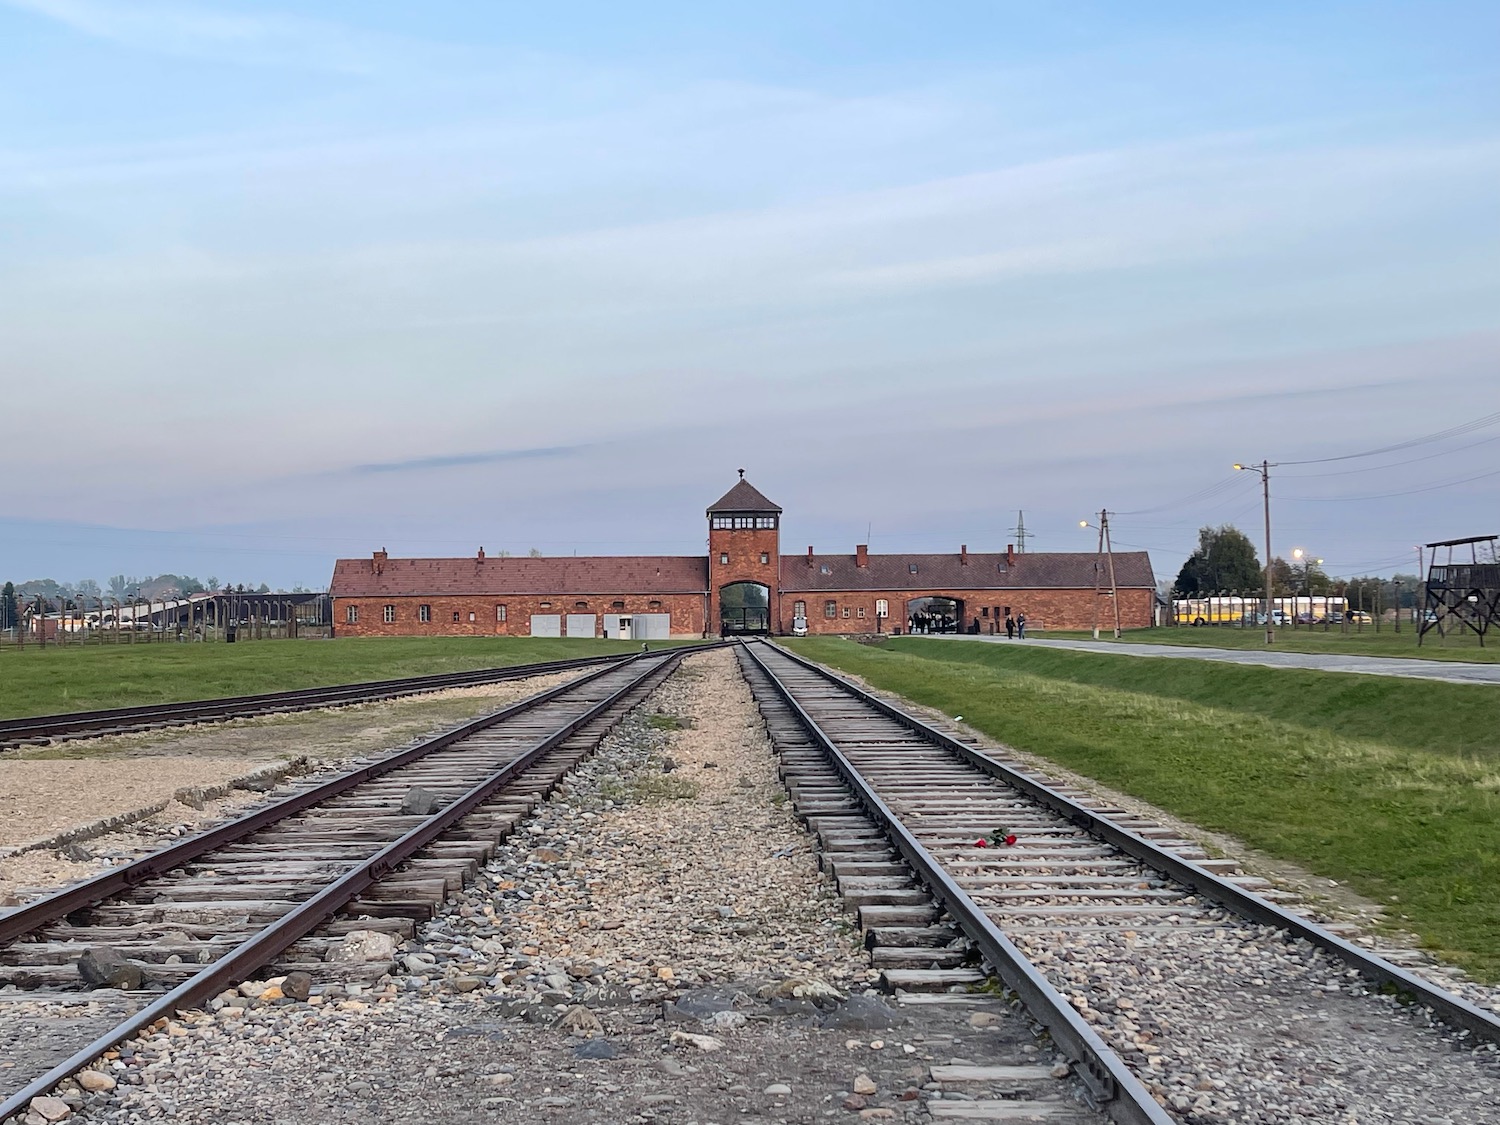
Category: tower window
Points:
column 724, row 558
column 765, row 557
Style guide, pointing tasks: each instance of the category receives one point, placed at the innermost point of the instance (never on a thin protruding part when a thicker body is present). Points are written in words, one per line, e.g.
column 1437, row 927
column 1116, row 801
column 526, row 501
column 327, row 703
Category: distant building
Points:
column 744, row 585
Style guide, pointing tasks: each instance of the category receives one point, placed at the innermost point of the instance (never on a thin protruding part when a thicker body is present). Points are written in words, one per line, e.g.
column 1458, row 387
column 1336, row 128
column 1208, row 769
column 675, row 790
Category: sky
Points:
column 281, row 283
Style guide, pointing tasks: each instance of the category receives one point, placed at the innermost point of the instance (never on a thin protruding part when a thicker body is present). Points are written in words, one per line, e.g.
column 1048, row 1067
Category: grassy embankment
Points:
column 37, row 681
column 1391, row 786
column 1368, row 643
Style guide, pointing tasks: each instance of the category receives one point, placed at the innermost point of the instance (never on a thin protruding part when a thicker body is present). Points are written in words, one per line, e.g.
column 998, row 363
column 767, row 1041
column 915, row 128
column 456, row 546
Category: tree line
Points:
column 86, row 593
column 1226, row 562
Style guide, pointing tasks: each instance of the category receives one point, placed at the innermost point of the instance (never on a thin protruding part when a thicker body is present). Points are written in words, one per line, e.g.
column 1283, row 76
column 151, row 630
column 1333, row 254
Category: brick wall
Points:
column 686, row 611
column 1049, row 609
column 744, row 548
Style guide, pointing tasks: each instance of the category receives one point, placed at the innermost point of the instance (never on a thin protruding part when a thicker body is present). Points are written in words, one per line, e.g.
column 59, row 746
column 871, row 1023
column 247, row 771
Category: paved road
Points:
column 1450, row 671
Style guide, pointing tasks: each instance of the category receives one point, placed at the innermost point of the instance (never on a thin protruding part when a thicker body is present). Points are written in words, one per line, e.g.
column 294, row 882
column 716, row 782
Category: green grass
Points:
column 1368, row 643
column 1391, row 786
column 37, row 681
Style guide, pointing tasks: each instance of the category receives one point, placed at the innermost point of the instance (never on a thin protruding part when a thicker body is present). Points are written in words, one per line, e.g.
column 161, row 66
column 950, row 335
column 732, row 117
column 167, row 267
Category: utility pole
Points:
column 1109, row 553
column 1098, row 571
column 1396, row 581
column 1020, row 532
column 1265, row 488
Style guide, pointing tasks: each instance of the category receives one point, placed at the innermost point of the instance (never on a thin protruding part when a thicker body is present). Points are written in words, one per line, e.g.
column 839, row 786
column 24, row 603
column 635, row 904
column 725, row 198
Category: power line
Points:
column 1389, row 495
column 1453, row 431
column 1393, row 464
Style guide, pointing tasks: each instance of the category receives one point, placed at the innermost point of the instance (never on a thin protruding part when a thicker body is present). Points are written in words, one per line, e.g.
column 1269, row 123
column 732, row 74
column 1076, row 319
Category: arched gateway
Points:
column 744, row 561
column 744, row 607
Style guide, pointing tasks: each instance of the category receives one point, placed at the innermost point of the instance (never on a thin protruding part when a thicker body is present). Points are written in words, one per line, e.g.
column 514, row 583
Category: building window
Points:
column 351, row 615
column 985, row 612
column 799, row 609
column 499, row 613
column 424, row 613
column 825, row 569
column 455, row 615
column 617, row 605
column 765, row 557
column 912, row 567
column 580, row 605
column 722, row 523
column 765, row 522
column 882, row 608
column 388, row 614
column 471, row 616
column 830, row 609
column 723, row 559
column 546, row 605
column 846, row 611
column 860, row 612
column 654, row 605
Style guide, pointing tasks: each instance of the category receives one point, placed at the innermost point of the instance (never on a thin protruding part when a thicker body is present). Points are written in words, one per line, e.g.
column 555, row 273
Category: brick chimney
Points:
column 1010, row 554
column 862, row 555
column 963, row 554
column 379, row 560
column 481, row 554
column 809, row 556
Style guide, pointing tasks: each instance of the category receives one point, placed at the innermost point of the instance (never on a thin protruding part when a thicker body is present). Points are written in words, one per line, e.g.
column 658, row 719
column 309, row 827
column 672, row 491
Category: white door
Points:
column 546, row 625
column 651, row 626
column 623, row 631
column 582, row 625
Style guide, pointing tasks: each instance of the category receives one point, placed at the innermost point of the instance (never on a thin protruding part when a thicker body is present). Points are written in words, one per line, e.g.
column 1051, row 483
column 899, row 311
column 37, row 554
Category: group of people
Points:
column 930, row 623
column 1015, row 627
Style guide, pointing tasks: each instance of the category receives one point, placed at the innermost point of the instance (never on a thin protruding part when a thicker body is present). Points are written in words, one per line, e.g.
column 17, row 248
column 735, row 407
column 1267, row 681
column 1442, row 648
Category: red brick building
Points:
column 744, row 585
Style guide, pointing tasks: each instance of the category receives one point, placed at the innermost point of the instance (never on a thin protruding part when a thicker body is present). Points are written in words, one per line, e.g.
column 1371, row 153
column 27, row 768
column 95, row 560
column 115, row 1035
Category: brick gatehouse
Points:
column 744, row 584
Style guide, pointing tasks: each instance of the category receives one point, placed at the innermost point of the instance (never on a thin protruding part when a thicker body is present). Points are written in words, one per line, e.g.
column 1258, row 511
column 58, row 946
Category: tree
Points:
column 213, row 582
column 88, row 588
column 120, row 586
column 1225, row 560
column 10, row 609
column 534, row 553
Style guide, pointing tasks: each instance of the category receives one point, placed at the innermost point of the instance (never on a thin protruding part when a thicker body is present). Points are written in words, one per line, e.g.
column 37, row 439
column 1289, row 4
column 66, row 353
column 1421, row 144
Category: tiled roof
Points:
column 636, row 574
column 1029, row 571
column 743, row 497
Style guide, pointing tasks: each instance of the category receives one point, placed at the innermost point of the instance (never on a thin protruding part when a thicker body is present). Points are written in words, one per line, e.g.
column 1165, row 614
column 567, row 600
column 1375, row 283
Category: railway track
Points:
column 1179, row 994
column 375, row 849
column 42, row 729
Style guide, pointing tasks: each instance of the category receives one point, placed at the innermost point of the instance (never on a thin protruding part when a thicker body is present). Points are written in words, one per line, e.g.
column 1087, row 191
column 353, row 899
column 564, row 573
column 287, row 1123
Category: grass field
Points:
column 39, row 681
column 1391, row 786
column 1368, row 643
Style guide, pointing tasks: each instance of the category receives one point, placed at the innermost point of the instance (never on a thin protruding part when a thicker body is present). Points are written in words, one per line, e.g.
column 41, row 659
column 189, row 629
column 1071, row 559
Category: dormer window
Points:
column 913, row 568
column 824, row 568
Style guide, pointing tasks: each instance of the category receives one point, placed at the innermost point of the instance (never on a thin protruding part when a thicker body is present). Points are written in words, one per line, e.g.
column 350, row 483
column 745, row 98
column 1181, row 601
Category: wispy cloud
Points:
column 484, row 457
column 254, row 38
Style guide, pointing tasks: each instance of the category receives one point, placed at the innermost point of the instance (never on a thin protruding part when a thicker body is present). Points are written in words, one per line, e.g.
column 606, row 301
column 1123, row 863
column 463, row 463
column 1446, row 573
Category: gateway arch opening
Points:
column 744, row 607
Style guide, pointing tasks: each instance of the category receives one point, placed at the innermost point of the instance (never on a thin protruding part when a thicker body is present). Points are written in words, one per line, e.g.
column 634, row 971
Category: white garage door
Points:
column 651, row 626
column 581, row 625
column 546, row 625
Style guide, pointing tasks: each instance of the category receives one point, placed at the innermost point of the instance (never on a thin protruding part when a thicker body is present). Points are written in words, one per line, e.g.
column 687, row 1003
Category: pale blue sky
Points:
column 280, row 283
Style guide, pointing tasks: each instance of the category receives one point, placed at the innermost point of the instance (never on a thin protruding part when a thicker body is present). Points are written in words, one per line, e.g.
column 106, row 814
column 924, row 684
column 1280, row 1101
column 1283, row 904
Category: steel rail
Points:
column 259, row 950
column 112, row 720
column 1108, row 1079
column 1454, row 1010
column 117, row 880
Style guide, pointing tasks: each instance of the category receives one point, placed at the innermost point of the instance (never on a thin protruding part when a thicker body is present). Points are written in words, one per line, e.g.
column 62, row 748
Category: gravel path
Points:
column 656, row 946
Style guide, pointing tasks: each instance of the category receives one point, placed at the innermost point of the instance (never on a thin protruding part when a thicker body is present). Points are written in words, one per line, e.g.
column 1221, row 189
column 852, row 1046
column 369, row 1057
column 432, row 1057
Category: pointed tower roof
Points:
column 743, row 497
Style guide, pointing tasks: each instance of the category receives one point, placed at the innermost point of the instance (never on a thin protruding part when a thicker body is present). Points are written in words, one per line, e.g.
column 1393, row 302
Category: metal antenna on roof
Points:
column 742, row 474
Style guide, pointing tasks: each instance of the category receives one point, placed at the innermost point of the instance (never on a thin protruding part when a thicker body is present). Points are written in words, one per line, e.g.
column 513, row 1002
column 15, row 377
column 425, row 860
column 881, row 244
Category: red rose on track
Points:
column 981, row 843
column 1009, row 840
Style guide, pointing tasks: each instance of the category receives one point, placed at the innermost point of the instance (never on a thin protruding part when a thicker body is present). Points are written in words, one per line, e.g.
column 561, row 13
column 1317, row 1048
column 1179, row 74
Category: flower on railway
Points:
column 1002, row 836
column 981, row 843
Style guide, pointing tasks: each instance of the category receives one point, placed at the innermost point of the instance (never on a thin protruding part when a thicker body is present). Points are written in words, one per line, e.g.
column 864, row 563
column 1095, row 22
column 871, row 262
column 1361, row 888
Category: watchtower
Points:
column 744, row 545
column 1462, row 595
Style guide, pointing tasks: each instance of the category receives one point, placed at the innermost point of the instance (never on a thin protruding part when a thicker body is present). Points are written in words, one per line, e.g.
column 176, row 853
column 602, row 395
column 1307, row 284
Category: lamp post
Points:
column 1264, row 469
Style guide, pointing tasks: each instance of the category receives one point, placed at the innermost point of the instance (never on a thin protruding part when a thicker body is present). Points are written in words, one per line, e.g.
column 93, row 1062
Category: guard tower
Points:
column 744, row 560
column 1462, row 595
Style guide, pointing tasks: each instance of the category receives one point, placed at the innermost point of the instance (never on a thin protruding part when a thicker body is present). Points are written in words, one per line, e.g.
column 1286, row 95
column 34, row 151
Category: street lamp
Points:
column 1264, row 469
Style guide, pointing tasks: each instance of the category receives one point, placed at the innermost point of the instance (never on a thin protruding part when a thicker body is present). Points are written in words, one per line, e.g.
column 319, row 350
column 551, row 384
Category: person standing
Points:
column 1010, row 627
column 1021, row 625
